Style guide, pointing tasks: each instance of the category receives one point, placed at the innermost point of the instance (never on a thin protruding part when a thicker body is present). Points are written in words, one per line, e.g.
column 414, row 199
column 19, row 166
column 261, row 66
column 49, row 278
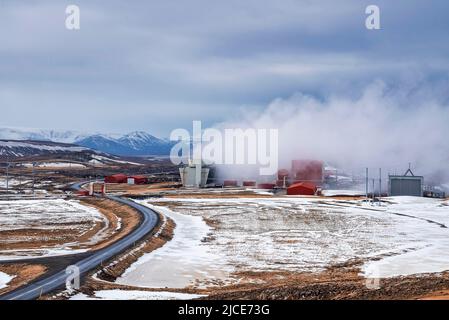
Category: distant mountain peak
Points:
column 132, row 144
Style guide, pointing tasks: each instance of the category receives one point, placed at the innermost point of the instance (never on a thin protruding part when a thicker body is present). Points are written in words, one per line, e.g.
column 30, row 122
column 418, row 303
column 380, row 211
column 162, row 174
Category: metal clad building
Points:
column 406, row 185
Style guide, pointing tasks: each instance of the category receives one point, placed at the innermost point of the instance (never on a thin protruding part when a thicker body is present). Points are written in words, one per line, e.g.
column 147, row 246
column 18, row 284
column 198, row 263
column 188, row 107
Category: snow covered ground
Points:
column 5, row 279
column 135, row 295
column 55, row 165
column 342, row 192
column 13, row 182
column 97, row 159
column 56, row 223
column 179, row 263
column 427, row 226
column 407, row 234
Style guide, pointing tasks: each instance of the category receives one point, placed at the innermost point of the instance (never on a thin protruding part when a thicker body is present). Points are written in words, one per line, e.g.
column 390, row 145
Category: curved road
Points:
column 58, row 280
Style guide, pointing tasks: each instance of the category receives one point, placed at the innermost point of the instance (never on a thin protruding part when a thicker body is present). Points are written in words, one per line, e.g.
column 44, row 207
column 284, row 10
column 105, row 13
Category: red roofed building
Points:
column 116, row 178
column 302, row 188
column 230, row 183
column 249, row 183
column 137, row 180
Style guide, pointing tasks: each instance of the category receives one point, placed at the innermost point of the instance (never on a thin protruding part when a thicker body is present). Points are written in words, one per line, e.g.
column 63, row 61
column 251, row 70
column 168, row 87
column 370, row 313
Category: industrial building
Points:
column 405, row 185
column 116, row 178
column 308, row 171
column 194, row 175
column 230, row 183
column 137, row 180
column 302, row 188
column 249, row 183
column 122, row 178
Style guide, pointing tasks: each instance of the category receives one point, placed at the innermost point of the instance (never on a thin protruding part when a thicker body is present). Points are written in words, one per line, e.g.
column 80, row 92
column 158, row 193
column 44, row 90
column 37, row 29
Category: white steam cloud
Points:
column 382, row 127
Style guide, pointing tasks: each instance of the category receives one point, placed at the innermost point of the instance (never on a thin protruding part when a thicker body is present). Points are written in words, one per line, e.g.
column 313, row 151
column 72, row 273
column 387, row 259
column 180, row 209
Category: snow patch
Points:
column 180, row 262
column 5, row 279
column 135, row 295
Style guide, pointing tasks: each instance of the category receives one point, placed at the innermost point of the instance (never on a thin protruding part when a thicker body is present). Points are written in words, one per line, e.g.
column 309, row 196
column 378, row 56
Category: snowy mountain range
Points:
column 137, row 143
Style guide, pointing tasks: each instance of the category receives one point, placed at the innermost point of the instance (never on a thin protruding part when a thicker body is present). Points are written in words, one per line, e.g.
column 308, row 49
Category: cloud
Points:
column 203, row 59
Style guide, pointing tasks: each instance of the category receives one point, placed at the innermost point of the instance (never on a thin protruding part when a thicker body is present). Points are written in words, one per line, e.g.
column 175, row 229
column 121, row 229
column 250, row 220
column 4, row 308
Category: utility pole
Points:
column 374, row 193
column 380, row 182
column 366, row 185
column 7, row 174
column 32, row 171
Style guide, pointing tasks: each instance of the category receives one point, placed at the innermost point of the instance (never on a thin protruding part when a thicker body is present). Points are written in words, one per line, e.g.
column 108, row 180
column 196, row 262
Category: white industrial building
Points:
column 194, row 175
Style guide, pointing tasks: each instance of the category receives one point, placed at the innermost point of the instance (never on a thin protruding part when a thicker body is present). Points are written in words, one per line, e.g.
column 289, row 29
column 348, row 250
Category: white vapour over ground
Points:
column 381, row 127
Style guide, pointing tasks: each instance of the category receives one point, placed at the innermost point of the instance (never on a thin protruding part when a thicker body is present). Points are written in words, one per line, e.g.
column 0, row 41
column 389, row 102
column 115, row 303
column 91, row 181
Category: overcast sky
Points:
column 158, row 65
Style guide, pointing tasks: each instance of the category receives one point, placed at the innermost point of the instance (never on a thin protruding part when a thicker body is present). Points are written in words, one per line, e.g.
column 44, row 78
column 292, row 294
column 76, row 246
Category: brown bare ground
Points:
column 437, row 295
column 29, row 238
column 337, row 283
column 130, row 218
column 122, row 262
column 34, row 238
column 136, row 189
column 24, row 273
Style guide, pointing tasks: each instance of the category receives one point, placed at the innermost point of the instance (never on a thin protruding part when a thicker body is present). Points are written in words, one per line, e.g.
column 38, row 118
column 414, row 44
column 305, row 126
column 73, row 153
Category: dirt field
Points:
column 120, row 221
column 271, row 243
column 49, row 224
column 123, row 219
column 104, row 277
column 274, row 251
column 337, row 284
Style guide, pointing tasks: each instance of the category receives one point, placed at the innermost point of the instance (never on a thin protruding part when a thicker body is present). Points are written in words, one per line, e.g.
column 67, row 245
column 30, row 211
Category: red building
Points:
column 249, row 183
column 230, row 183
column 139, row 179
column 308, row 171
column 302, row 188
column 83, row 193
column 116, row 178
column 267, row 186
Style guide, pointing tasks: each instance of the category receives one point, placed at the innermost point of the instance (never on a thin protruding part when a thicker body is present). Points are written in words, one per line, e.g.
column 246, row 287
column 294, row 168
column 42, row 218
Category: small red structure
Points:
column 139, row 179
column 308, row 170
column 116, row 178
column 302, row 188
column 230, row 183
column 83, row 193
column 267, row 186
column 249, row 183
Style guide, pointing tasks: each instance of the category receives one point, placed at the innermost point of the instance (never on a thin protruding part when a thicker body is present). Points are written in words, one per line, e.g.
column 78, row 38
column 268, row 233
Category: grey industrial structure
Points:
column 194, row 175
column 405, row 185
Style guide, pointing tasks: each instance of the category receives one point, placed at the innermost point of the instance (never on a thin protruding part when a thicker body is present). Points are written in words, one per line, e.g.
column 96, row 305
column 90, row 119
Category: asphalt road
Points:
column 58, row 280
